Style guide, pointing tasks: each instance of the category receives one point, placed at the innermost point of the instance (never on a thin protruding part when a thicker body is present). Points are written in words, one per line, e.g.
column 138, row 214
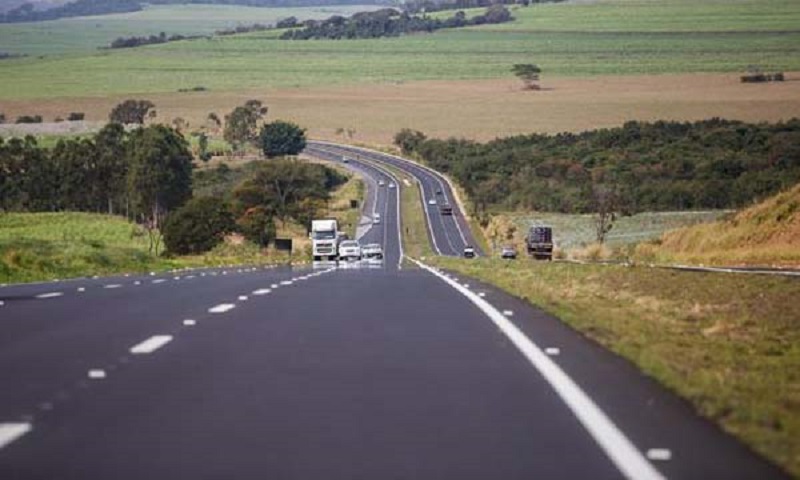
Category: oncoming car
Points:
column 381, row 183
column 508, row 252
column 349, row 250
column 432, row 201
column 376, row 219
column 469, row 252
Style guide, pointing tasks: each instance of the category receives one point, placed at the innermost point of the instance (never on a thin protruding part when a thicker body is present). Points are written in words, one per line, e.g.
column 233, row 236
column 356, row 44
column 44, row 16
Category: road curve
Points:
column 449, row 234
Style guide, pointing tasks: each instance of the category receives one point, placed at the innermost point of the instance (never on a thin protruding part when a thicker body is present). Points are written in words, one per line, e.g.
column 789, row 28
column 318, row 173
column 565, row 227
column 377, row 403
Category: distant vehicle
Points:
column 381, row 183
column 349, row 250
column 508, row 252
column 438, row 191
column 325, row 237
column 539, row 242
column 469, row 252
column 376, row 219
column 346, row 159
column 391, row 185
column 432, row 201
column 446, row 209
column 372, row 252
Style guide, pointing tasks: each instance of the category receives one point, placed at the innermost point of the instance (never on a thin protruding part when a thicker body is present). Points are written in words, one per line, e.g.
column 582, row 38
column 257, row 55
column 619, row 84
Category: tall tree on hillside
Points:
column 529, row 74
column 159, row 176
column 132, row 111
column 241, row 126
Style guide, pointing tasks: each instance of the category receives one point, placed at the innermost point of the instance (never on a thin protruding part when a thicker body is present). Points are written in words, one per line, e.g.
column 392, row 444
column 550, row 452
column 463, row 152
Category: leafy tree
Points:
column 111, row 143
column 202, row 145
column 408, row 140
column 257, row 224
column 197, row 226
column 2, row 118
column 241, row 126
column 132, row 111
column 76, row 116
column 282, row 138
column 529, row 74
column 159, row 176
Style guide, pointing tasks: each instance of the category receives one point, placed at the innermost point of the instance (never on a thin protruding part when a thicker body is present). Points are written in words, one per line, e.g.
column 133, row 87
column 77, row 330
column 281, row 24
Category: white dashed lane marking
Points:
column 151, row 344
column 50, row 295
column 97, row 374
column 113, row 285
column 274, row 285
column 286, row 282
column 242, row 298
column 659, row 454
column 189, row 322
column 261, row 291
column 508, row 313
column 159, row 280
column 221, row 308
column 552, row 351
column 12, row 431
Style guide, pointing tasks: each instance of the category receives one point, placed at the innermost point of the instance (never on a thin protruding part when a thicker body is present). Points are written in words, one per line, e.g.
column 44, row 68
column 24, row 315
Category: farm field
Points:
column 85, row 34
column 477, row 109
column 632, row 41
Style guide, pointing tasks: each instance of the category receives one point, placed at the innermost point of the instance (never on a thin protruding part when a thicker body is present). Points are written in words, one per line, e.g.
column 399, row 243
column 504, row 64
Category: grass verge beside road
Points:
column 730, row 344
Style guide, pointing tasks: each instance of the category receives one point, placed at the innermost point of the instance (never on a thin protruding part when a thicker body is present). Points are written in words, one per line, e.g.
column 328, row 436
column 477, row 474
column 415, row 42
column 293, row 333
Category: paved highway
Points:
column 349, row 373
column 449, row 234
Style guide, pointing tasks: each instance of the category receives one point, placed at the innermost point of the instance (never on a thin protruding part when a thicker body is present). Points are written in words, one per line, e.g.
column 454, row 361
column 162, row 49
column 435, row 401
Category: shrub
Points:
column 76, row 116
column 198, row 226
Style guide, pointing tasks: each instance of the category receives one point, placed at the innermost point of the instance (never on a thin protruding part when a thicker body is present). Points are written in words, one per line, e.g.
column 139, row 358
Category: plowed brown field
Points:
column 473, row 109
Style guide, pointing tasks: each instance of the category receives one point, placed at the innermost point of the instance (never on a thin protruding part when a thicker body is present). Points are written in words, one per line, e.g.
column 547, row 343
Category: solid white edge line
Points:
column 12, row 431
column 151, row 344
column 625, row 456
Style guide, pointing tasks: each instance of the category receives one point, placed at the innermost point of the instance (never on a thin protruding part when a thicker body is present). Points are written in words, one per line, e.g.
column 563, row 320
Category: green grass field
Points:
column 86, row 34
column 609, row 37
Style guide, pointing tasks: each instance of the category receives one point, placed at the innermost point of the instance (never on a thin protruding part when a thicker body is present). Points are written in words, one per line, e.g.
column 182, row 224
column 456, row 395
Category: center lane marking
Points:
column 221, row 308
column 151, row 344
column 50, row 295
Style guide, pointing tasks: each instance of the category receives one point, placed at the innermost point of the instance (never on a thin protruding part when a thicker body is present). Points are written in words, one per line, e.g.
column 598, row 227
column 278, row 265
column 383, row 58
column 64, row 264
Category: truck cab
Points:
column 446, row 209
column 325, row 237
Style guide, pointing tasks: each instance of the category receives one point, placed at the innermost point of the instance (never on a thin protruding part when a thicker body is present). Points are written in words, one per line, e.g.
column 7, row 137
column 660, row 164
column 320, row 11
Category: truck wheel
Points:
column 317, row 258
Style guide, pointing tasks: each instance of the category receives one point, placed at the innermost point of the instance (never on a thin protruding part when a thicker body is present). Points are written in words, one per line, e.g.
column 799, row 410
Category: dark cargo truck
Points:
column 446, row 209
column 540, row 242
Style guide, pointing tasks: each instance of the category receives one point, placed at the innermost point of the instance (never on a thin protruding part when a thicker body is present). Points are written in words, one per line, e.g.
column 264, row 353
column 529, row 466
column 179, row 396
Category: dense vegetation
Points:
column 651, row 166
column 130, row 42
column 389, row 22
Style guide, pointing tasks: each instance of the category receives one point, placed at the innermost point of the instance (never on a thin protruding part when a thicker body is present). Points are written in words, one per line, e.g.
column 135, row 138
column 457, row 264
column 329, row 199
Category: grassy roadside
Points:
column 46, row 246
column 730, row 344
column 339, row 205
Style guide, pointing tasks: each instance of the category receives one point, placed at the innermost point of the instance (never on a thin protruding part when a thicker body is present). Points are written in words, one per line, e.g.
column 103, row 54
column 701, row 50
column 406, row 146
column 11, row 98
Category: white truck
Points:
column 325, row 237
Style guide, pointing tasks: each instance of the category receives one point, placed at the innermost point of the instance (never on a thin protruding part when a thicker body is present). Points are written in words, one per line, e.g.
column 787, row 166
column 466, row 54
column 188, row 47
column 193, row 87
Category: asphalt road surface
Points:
column 329, row 373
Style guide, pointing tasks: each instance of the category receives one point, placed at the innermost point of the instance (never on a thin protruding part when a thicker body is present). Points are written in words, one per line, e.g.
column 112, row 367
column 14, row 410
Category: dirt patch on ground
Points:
column 473, row 109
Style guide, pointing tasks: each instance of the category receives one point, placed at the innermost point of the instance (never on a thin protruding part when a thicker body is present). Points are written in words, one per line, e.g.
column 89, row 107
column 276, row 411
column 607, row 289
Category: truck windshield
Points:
column 324, row 235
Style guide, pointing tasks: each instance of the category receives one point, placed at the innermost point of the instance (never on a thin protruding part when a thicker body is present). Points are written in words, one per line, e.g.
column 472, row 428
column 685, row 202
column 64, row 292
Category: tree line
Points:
column 389, row 22
column 131, row 42
column 660, row 166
